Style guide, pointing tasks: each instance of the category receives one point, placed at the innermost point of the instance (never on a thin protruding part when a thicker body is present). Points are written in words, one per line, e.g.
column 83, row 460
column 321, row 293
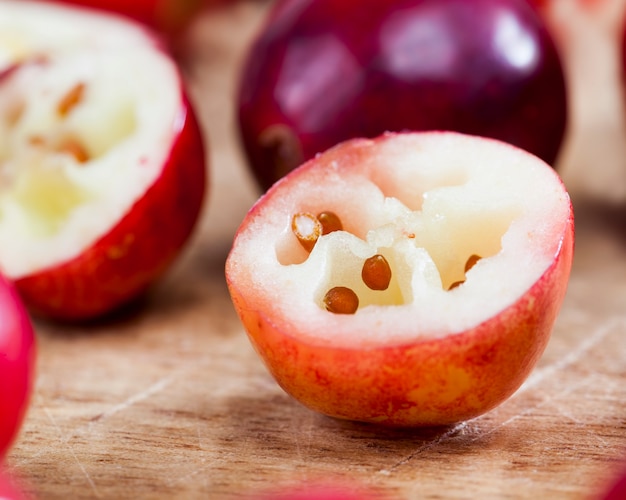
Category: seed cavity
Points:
column 455, row 284
column 341, row 300
column 307, row 228
column 471, row 262
column 376, row 272
column 71, row 99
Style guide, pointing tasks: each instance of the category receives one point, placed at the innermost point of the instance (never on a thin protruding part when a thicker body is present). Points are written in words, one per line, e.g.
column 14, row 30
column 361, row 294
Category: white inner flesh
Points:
column 31, row 27
column 427, row 204
column 52, row 203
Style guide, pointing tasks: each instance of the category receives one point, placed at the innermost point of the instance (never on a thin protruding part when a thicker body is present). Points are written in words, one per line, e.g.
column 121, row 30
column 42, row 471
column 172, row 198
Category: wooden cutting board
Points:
column 171, row 401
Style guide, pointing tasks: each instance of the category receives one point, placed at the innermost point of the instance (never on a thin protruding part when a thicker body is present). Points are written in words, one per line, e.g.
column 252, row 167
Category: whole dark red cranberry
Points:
column 323, row 71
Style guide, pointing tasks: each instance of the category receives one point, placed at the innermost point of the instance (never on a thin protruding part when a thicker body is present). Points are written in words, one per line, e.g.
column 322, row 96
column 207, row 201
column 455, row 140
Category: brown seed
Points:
column 341, row 300
column 471, row 262
column 376, row 272
column 73, row 147
column 72, row 98
column 330, row 222
column 307, row 229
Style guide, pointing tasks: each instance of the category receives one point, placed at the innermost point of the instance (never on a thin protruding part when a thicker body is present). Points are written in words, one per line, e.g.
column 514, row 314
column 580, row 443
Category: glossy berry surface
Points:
column 319, row 74
column 17, row 360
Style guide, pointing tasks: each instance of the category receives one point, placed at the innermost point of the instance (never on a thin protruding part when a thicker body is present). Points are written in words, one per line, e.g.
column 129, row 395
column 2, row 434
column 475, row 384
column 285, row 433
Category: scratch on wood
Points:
column 550, row 400
column 596, row 336
column 52, row 420
column 443, row 437
column 85, row 473
column 304, row 438
column 178, row 479
column 71, row 450
column 150, row 391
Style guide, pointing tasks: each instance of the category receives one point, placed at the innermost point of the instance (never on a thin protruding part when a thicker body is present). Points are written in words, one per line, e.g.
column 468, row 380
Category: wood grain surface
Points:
column 170, row 401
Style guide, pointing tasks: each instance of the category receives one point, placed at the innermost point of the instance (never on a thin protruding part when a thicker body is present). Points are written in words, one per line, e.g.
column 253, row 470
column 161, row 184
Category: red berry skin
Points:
column 320, row 73
column 17, row 364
